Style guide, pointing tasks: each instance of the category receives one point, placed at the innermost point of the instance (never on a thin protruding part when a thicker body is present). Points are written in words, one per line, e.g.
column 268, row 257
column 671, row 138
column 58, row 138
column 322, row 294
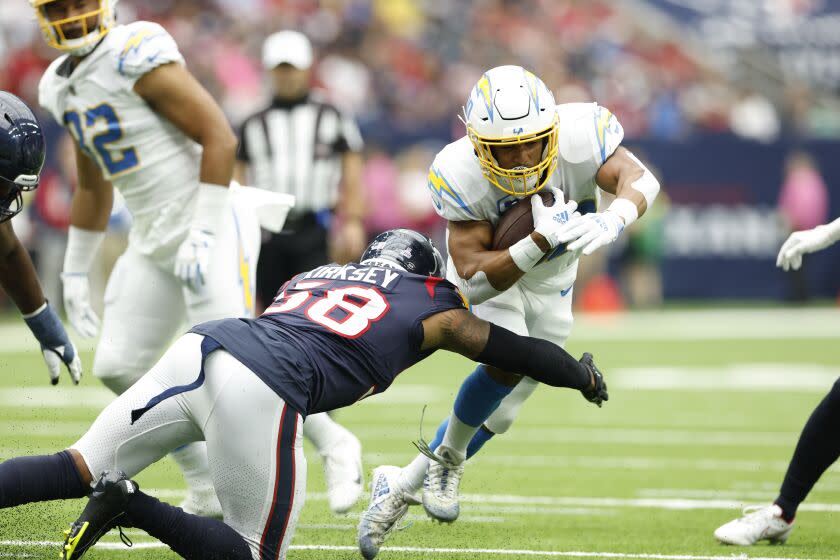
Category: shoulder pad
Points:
column 47, row 91
column 588, row 132
column 142, row 46
column 452, row 184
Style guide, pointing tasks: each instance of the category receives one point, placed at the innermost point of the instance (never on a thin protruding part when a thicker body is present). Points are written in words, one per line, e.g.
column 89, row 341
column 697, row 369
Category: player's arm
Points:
column 635, row 189
column 17, row 273
column 630, row 181
column 178, row 97
column 807, row 241
column 485, row 272
column 20, row 281
column 89, row 213
column 458, row 330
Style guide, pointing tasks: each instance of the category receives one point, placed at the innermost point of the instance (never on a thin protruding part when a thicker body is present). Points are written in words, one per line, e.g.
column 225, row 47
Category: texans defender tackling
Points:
column 518, row 142
column 22, row 152
column 333, row 336
column 818, row 446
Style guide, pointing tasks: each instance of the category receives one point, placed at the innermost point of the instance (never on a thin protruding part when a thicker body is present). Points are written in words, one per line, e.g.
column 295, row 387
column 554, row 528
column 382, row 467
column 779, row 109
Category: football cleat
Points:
column 597, row 394
column 343, row 473
column 388, row 504
column 757, row 524
column 440, row 486
column 104, row 511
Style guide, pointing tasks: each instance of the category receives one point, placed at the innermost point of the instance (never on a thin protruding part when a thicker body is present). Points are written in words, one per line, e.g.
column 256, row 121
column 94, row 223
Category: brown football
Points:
column 517, row 221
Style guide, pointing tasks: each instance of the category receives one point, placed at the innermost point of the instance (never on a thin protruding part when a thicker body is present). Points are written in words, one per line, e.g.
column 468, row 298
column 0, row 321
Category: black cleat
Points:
column 598, row 393
column 104, row 511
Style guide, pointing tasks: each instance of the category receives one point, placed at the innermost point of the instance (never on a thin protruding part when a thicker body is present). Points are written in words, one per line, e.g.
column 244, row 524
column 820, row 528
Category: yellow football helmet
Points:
column 510, row 105
column 54, row 33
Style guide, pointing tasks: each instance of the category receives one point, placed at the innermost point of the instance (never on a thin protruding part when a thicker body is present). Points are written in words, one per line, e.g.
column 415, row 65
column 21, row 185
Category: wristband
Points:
column 82, row 245
column 625, row 209
column 210, row 206
column 526, row 253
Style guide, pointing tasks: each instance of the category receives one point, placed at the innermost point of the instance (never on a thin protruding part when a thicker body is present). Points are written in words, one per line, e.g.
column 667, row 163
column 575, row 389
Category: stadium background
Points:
column 709, row 390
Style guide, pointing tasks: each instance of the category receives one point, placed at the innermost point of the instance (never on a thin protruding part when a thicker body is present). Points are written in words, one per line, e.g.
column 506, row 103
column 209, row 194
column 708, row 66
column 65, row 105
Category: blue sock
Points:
column 439, row 435
column 478, row 397
column 481, row 437
column 191, row 536
column 40, row 478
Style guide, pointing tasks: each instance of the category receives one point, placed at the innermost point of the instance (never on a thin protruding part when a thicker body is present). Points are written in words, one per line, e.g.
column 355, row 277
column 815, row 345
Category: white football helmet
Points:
column 54, row 32
column 510, row 105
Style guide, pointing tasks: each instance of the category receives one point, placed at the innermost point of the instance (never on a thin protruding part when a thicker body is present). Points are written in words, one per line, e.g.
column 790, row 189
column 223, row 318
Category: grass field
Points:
column 704, row 412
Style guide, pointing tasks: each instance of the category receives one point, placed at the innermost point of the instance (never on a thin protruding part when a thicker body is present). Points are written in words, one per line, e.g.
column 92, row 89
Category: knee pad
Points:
column 502, row 419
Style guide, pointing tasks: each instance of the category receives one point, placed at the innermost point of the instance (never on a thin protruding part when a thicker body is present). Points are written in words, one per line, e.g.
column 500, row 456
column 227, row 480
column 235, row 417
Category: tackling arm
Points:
column 460, row 331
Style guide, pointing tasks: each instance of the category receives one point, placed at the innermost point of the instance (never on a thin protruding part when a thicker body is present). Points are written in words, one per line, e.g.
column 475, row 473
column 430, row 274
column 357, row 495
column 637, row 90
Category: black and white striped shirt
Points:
column 296, row 148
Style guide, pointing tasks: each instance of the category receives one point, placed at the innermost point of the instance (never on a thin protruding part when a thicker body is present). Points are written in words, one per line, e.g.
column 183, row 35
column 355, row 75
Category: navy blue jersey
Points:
column 336, row 334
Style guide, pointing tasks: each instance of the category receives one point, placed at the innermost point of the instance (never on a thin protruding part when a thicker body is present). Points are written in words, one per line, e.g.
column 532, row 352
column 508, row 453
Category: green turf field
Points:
column 704, row 412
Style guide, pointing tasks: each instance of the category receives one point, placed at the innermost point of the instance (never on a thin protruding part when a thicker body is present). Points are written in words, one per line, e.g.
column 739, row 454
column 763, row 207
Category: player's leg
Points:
column 817, row 449
column 549, row 317
column 179, row 394
column 229, row 292
column 143, row 310
column 478, row 398
column 113, row 442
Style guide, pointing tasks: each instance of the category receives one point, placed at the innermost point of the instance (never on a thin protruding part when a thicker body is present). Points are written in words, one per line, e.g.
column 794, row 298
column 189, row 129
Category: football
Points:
column 517, row 221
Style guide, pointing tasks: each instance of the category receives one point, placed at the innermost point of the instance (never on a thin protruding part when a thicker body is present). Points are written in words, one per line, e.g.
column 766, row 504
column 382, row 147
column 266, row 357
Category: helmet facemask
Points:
column 55, row 32
column 519, row 181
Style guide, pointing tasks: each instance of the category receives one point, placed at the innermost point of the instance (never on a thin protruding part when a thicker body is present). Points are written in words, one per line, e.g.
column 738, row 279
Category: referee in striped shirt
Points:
column 302, row 145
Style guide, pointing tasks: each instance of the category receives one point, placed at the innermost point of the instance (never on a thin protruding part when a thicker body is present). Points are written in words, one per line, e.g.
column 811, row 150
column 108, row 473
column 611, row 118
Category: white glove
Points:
column 549, row 221
column 592, row 231
column 802, row 242
column 193, row 259
column 77, row 304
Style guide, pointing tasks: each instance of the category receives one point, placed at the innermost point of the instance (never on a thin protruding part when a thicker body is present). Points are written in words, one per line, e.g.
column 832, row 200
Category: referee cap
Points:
column 287, row 47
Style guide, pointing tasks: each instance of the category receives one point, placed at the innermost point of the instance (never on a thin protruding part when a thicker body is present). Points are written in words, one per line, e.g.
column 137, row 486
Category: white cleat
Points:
column 757, row 524
column 388, row 504
column 202, row 502
column 343, row 473
column 440, row 487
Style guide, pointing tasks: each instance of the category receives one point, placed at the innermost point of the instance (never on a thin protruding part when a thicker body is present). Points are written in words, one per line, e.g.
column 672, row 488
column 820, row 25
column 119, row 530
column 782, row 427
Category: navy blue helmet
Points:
column 406, row 248
column 22, row 151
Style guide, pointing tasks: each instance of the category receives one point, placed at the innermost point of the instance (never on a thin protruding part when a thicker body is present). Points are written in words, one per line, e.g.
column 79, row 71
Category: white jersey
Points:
column 589, row 134
column 152, row 163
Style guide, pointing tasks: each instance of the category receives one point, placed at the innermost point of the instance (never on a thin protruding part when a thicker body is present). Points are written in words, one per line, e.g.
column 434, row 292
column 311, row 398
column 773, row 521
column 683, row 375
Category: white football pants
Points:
column 254, row 440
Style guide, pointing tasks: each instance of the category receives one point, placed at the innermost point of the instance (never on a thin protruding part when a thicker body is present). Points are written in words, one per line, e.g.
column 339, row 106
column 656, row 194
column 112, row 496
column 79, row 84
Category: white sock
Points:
column 192, row 459
column 322, row 431
column 458, row 436
column 411, row 477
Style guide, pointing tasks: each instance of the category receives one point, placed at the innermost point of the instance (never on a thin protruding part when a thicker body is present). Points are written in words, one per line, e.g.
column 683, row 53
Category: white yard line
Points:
column 461, row 551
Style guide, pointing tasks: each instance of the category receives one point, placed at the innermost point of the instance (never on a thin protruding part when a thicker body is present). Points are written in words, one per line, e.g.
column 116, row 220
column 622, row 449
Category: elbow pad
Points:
column 477, row 289
column 646, row 184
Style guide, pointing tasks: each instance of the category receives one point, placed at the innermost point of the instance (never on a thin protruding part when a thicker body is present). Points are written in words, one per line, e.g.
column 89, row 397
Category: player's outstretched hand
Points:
column 55, row 344
column 77, row 305
column 597, row 392
column 800, row 243
column 592, row 232
column 549, row 221
column 192, row 262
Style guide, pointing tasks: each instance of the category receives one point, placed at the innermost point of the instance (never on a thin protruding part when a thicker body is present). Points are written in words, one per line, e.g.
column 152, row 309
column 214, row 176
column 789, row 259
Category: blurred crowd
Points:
column 404, row 68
